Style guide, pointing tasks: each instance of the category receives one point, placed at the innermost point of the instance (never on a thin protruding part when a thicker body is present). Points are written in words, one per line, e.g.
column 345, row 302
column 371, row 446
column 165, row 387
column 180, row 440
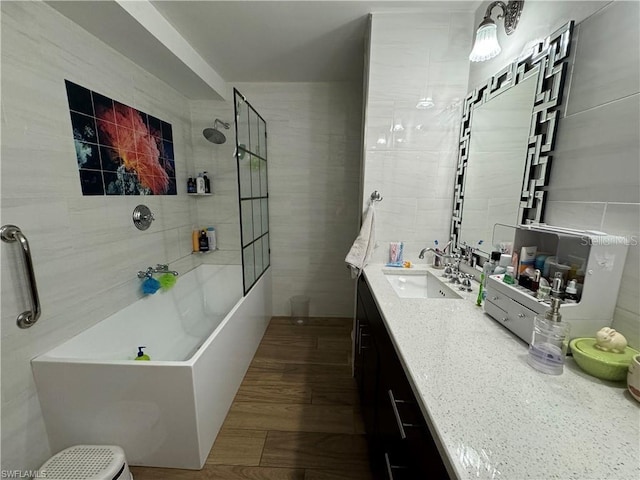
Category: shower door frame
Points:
column 248, row 202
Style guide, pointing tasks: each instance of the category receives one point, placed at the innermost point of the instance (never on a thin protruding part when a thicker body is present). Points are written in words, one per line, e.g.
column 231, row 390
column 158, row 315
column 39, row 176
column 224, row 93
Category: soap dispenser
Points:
column 142, row 355
column 549, row 342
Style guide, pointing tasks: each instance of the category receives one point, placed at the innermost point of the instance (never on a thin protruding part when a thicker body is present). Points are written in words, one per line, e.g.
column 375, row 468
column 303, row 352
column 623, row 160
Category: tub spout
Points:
column 158, row 269
column 161, row 268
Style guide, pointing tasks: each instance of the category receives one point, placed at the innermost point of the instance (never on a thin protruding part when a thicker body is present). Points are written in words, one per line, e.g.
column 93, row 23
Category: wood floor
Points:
column 295, row 416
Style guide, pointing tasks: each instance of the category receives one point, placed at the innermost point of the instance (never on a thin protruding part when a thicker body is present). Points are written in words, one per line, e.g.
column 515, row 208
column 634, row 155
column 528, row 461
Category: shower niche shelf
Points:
column 200, row 194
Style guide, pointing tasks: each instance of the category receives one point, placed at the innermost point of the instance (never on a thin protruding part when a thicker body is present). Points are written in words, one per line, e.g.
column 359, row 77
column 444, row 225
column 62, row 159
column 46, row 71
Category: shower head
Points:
column 213, row 134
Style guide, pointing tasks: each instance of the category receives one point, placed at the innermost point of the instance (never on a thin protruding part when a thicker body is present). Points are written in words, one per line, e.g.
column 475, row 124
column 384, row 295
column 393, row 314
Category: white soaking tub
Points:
column 201, row 337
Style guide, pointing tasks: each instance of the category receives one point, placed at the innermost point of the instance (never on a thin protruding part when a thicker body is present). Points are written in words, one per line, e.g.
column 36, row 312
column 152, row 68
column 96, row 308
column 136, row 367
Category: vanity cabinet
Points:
column 400, row 444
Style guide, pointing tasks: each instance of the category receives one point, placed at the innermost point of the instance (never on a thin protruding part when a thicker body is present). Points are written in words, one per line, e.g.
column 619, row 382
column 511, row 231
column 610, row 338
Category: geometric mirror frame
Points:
column 549, row 60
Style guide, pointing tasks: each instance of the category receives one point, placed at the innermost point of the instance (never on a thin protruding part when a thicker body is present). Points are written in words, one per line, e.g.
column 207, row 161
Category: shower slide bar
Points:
column 10, row 234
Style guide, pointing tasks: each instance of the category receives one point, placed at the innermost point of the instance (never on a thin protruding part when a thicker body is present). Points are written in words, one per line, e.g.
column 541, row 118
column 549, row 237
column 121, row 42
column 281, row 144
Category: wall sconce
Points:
column 487, row 46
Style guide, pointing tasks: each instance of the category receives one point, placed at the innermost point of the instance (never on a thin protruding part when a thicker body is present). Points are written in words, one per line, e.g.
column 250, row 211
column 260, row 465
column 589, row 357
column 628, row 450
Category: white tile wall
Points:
column 595, row 175
column 314, row 167
column 413, row 164
column 86, row 250
column 221, row 209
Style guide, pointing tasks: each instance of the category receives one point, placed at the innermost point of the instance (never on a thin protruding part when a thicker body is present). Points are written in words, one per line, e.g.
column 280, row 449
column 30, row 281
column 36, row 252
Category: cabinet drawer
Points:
column 515, row 317
column 498, row 299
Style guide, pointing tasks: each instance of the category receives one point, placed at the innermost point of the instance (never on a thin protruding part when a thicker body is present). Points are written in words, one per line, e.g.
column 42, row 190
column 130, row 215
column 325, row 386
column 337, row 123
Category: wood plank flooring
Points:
column 295, row 416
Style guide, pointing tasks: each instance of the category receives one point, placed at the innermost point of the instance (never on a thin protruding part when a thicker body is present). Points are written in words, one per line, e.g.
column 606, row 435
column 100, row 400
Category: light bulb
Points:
column 486, row 46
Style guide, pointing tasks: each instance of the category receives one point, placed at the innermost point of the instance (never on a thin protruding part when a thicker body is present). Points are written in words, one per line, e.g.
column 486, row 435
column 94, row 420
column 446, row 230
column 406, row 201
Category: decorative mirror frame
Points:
column 550, row 58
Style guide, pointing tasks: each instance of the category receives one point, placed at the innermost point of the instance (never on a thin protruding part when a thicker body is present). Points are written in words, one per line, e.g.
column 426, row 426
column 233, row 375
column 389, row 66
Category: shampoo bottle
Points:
column 200, row 184
column 204, row 241
column 211, row 237
column 195, row 239
column 207, row 183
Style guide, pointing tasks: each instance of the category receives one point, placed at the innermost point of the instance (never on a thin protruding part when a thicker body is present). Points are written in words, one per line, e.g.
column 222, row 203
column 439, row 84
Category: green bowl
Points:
column 604, row 365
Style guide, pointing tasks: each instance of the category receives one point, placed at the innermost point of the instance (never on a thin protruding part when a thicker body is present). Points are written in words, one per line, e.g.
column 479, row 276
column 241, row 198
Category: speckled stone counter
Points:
column 493, row 415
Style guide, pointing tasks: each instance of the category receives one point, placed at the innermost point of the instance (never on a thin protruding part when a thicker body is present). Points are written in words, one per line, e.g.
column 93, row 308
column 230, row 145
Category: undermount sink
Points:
column 419, row 285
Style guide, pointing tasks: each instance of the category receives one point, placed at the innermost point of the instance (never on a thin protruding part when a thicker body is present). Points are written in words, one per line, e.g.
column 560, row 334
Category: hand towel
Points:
column 362, row 248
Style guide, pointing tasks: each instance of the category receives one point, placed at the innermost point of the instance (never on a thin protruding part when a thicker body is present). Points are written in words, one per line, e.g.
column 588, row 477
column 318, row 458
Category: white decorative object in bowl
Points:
column 633, row 378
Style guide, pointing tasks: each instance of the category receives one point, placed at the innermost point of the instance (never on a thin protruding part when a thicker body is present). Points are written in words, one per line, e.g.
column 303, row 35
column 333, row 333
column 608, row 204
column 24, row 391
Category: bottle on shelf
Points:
column 571, row 292
column 195, row 239
column 200, row 184
column 204, row 242
column 211, row 236
column 207, row 183
column 509, row 276
column 191, row 185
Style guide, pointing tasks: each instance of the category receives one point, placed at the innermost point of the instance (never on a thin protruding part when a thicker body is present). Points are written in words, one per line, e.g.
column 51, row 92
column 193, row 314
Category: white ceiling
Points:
column 199, row 46
column 285, row 41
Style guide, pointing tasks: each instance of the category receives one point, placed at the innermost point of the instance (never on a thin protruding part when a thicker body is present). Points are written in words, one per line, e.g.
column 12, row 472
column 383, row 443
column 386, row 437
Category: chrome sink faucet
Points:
column 438, row 255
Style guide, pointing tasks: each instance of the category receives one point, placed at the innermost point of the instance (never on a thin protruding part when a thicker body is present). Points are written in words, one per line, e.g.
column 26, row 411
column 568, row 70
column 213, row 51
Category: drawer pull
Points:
column 494, row 298
column 521, row 315
column 360, row 335
column 390, row 467
column 505, row 319
column 396, row 413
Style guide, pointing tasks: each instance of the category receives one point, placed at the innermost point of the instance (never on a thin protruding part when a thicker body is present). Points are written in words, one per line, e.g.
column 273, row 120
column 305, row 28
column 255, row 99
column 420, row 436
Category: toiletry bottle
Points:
column 571, row 292
column 211, row 237
column 204, row 242
column 490, row 266
column 481, row 293
column 195, row 239
column 207, row 183
column 200, row 184
column 142, row 355
column 535, row 283
column 191, row 185
column 549, row 342
column 508, row 277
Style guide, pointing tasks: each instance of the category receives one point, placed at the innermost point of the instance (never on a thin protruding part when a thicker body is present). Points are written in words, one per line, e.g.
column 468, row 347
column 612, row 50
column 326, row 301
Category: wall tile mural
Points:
column 120, row 150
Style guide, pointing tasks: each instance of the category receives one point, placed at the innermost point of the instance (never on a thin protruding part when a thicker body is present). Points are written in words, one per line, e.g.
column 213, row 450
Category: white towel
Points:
column 362, row 248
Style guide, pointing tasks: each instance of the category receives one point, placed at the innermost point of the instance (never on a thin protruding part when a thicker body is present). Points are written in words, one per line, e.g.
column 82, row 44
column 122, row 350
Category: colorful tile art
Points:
column 120, row 150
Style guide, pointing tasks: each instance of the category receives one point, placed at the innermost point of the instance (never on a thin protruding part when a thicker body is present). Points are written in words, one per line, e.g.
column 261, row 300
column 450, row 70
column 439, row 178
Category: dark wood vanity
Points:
column 400, row 443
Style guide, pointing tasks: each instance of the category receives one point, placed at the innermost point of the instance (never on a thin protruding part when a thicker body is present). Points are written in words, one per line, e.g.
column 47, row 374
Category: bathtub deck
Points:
column 295, row 416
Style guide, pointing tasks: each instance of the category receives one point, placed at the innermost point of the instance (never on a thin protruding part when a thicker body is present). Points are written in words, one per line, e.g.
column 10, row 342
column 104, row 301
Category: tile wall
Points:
column 595, row 175
column 86, row 250
column 221, row 209
column 314, row 138
column 410, row 153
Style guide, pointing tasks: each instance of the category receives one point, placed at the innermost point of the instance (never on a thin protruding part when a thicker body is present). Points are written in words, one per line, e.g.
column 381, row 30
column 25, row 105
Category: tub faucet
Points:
column 160, row 268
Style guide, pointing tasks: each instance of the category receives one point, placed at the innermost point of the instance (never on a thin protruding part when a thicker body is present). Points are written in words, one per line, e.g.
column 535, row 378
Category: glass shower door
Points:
column 253, row 194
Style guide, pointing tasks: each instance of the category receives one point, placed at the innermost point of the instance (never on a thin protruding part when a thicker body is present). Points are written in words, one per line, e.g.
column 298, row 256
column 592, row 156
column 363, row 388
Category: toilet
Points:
column 87, row 462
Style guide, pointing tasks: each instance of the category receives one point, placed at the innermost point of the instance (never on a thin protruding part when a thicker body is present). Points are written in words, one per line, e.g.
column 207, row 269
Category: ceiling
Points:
column 199, row 47
column 285, row 41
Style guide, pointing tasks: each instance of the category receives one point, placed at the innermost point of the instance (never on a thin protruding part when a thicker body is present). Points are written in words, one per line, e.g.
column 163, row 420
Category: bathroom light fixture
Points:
column 487, row 46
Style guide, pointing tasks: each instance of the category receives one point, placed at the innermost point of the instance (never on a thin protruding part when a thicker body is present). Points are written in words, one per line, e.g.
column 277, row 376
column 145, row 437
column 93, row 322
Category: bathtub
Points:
column 201, row 337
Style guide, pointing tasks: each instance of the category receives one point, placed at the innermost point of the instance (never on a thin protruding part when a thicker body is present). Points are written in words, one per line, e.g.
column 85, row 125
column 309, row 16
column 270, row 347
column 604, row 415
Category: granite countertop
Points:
column 493, row 415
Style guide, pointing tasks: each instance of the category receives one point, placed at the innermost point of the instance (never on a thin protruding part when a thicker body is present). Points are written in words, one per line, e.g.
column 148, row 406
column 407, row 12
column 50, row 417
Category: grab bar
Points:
column 10, row 234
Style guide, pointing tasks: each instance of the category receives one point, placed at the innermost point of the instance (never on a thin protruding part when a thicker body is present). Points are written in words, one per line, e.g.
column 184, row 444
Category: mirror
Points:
column 507, row 138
